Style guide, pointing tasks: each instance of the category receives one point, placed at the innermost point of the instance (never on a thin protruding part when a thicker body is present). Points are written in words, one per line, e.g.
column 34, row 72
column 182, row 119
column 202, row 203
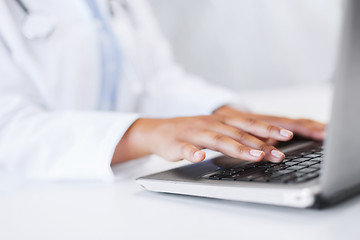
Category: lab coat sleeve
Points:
column 53, row 145
column 169, row 89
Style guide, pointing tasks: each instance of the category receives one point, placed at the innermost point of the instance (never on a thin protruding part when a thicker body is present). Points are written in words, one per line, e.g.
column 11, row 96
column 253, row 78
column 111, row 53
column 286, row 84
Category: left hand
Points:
column 302, row 127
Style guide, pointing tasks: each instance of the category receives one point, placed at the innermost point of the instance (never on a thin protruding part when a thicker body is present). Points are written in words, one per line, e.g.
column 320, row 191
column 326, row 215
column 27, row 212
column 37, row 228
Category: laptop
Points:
column 313, row 174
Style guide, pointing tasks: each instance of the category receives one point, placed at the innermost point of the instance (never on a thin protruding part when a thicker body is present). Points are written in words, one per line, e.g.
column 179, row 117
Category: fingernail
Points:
column 255, row 153
column 285, row 133
column 198, row 156
column 277, row 154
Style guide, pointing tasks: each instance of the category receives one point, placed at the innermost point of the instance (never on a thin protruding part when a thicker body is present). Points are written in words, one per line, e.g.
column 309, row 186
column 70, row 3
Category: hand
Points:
column 183, row 138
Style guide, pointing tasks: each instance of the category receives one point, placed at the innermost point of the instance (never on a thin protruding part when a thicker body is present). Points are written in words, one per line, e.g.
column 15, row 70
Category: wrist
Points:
column 135, row 142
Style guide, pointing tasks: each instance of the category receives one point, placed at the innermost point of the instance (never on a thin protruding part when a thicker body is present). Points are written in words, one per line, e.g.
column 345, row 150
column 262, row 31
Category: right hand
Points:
column 183, row 138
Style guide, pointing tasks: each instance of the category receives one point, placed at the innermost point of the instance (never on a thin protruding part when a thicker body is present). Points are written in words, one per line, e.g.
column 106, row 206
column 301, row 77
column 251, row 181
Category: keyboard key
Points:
column 314, row 161
column 289, row 164
column 267, row 164
column 287, row 160
column 286, row 171
column 252, row 170
column 307, row 163
column 247, row 177
column 277, row 167
column 245, row 166
column 298, row 180
column 312, row 175
column 265, row 178
column 284, row 178
column 313, row 155
column 301, row 159
column 230, row 171
column 296, row 167
column 292, row 156
column 280, row 173
column 299, row 177
column 251, row 165
column 317, row 165
column 307, row 170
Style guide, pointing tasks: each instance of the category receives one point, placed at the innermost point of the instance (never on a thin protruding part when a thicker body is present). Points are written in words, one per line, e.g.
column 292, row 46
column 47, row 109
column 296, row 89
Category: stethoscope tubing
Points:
column 23, row 6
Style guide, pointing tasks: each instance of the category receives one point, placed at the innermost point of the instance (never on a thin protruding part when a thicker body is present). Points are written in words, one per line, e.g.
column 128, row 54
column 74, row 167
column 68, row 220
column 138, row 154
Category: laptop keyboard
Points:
column 297, row 167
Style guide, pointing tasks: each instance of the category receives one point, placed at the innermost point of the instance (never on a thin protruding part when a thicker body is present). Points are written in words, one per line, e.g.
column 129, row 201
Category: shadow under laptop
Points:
column 250, row 219
column 234, row 206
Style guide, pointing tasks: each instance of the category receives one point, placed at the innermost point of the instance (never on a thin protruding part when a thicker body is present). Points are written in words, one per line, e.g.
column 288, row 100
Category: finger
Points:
column 271, row 141
column 260, row 128
column 188, row 152
column 316, row 124
column 309, row 130
column 226, row 145
column 304, row 127
column 271, row 153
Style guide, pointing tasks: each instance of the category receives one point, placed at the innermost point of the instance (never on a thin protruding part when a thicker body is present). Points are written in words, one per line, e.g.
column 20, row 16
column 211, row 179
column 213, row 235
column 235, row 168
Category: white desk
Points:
column 124, row 210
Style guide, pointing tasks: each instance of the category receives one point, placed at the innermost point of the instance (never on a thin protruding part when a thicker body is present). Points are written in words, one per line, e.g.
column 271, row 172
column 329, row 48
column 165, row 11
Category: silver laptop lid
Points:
column 342, row 150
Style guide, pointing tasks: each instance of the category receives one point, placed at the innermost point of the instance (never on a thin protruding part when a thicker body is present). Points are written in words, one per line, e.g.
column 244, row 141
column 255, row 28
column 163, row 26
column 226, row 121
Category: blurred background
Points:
column 253, row 44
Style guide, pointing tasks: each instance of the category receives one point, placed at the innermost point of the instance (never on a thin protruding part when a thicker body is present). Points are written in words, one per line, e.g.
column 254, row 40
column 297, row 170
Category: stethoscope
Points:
column 38, row 25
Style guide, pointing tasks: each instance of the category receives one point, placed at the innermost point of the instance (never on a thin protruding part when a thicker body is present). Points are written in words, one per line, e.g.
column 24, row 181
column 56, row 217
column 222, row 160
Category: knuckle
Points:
column 265, row 147
column 218, row 138
column 217, row 143
column 220, row 118
column 251, row 121
column 205, row 120
column 241, row 135
column 242, row 150
column 270, row 129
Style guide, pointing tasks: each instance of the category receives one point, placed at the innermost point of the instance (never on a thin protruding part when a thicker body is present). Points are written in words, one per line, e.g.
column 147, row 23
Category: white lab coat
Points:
column 50, row 127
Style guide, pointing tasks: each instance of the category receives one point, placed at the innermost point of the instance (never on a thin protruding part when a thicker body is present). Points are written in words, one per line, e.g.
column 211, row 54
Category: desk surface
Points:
column 123, row 210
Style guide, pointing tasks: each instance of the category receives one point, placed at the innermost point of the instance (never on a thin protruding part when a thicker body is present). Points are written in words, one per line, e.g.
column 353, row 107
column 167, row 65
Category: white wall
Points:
column 253, row 43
